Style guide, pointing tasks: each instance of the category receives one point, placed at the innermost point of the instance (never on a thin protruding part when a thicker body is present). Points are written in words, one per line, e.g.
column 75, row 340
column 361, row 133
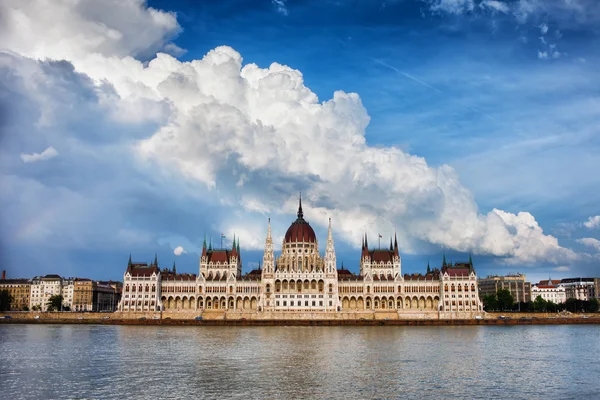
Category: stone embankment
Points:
column 313, row 319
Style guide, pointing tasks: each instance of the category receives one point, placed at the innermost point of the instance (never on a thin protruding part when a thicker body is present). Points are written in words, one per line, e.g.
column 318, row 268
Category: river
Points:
column 345, row 362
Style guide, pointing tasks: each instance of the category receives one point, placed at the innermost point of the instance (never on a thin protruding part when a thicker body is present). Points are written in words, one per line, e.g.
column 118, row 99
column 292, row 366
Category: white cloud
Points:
column 231, row 123
column 451, row 6
column 495, row 5
column 47, row 154
column 544, row 28
column 542, row 55
column 280, row 6
column 179, row 251
column 592, row 222
column 590, row 242
column 562, row 268
column 66, row 29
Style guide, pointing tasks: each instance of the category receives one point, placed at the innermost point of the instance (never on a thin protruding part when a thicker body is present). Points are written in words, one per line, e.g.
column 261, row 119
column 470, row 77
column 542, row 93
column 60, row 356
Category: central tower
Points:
column 300, row 279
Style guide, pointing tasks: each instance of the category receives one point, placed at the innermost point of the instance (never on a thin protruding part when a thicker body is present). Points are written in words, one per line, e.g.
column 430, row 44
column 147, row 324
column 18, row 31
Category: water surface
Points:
column 95, row 361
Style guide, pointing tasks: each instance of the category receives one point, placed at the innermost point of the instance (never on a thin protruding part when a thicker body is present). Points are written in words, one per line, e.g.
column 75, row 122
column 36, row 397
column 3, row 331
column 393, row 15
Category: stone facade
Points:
column 302, row 282
column 580, row 288
column 516, row 284
column 549, row 292
column 19, row 290
column 42, row 288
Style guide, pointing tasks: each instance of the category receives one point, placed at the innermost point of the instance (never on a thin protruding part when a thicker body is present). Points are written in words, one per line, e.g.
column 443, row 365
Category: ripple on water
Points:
column 529, row 362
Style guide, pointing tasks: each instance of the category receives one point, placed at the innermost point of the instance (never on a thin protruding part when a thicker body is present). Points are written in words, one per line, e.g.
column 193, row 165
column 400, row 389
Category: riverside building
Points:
column 19, row 290
column 549, row 291
column 516, row 284
column 300, row 280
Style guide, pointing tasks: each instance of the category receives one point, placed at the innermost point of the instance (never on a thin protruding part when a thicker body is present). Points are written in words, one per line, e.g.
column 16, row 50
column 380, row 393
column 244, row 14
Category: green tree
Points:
column 25, row 308
column 5, row 300
column 490, row 303
column 505, row 300
column 539, row 304
column 54, row 303
column 571, row 304
column 592, row 305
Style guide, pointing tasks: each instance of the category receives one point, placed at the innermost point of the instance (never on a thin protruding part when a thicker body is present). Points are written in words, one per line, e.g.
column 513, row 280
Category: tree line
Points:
column 504, row 301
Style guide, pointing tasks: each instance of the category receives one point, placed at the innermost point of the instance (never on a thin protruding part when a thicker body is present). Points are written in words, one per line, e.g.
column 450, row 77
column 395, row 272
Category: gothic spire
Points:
column 155, row 260
column 210, row 244
column 391, row 245
column 174, row 267
column 233, row 248
column 204, row 243
column 300, row 213
column 444, row 260
column 129, row 263
column 366, row 241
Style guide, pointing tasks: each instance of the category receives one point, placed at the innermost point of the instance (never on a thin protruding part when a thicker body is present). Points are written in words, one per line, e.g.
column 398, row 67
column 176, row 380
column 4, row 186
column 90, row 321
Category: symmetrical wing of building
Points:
column 300, row 279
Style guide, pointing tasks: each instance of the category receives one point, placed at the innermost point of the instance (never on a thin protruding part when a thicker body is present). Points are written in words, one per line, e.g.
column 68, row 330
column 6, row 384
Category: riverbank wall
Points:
column 223, row 318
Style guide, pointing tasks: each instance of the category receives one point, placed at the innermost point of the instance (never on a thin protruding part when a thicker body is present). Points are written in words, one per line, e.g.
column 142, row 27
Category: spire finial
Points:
column 300, row 213
column 129, row 263
column 155, row 259
column 204, row 243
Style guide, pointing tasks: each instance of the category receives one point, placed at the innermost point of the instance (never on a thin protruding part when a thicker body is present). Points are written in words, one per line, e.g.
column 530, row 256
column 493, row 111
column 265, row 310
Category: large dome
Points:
column 300, row 230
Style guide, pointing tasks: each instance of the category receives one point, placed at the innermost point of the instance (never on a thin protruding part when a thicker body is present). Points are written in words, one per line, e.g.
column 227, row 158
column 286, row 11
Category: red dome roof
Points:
column 300, row 230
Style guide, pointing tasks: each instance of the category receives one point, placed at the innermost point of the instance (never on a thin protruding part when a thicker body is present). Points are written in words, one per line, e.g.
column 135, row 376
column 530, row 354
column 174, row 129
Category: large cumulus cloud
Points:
column 255, row 136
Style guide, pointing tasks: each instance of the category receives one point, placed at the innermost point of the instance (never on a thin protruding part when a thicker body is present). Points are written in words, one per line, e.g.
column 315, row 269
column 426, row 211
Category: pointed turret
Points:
column 155, row 260
column 444, row 260
column 238, row 246
column 391, row 244
column 396, row 245
column 174, row 268
column 210, row 244
column 269, row 254
column 129, row 263
column 204, row 247
column 428, row 267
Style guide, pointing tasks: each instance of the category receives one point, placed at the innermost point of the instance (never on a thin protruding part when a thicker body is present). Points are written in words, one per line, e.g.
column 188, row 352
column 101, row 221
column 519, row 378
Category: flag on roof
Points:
column 380, row 235
column 222, row 236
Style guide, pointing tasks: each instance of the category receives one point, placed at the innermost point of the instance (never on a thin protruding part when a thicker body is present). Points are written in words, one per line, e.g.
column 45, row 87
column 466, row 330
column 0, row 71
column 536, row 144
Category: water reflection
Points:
column 57, row 361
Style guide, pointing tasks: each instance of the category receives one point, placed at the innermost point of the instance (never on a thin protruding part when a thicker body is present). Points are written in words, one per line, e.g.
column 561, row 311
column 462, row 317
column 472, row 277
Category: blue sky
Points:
column 466, row 126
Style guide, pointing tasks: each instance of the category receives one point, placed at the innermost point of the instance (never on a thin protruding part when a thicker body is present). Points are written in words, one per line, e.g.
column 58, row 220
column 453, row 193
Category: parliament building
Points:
column 301, row 280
